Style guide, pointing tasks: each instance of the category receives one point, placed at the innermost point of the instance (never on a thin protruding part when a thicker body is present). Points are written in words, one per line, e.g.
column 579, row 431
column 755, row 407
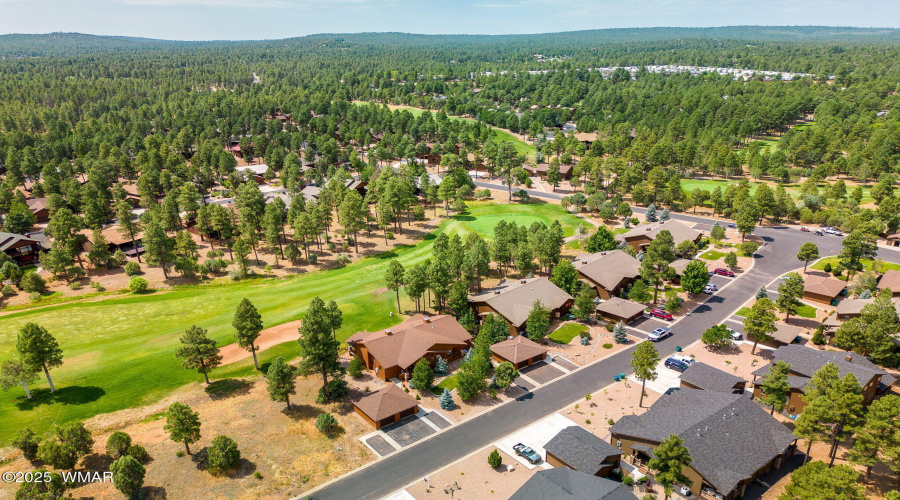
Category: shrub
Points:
column 818, row 338
column 223, row 454
column 356, row 368
column 326, row 423
column 609, row 327
column 33, row 283
column 179, row 453
column 257, row 475
column 827, row 267
column 97, row 286
column 389, row 235
column 627, row 480
column 132, row 269
column 607, row 346
column 235, row 275
column 118, row 444
column 27, row 441
column 494, row 459
column 139, row 453
column 75, row 285
column 337, row 388
column 610, row 421
column 313, row 258
column 8, row 291
column 118, row 259
column 837, row 270
column 137, row 284
column 35, row 297
column 419, row 212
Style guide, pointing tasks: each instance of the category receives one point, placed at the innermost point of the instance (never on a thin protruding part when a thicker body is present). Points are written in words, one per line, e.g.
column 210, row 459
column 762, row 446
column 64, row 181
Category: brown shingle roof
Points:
column 608, row 269
column 621, row 308
column 890, row 279
column 679, row 231
column 586, row 136
column 821, row 283
column 518, row 349
column 385, row 403
column 405, row 344
column 112, row 234
column 36, row 204
column 514, row 299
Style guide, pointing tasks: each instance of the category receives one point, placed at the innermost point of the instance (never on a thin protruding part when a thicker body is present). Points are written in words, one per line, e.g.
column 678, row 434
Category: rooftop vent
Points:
column 388, row 332
column 523, row 281
column 427, row 319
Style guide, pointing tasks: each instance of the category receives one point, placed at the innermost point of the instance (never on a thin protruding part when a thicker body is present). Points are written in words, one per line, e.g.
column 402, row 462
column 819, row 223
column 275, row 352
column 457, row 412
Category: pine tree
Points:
column 446, row 400
column 619, row 333
column 669, row 460
column 650, row 214
column 183, row 425
column 198, row 351
column 247, row 325
column 319, row 349
column 643, row 362
column 760, row 322
column 664, row 215
column 280, row 381
column 789, row 292
column 440, row 367
column 775, row 386
column 879, row 438
column 423, row 376
column 538, row 321
column 39, row 350
column 584, row 303
column 128, row 476
column 394, row 279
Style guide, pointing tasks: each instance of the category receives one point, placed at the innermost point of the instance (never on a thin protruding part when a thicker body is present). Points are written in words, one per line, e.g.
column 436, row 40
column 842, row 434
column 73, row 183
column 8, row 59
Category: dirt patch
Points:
column 379, row 291
column 269, row 337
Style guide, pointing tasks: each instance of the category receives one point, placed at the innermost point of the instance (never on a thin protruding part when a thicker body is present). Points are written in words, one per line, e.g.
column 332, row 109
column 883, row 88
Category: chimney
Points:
column 648, row 229
column 602, row 253
column 496, row 292
column 584, row 261
column 849, row 358
column 523, row 281
column 427, row 319
column 388, row 332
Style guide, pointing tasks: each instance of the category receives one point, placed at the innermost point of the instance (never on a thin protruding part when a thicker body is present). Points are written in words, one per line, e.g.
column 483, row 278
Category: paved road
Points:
column 776, row 257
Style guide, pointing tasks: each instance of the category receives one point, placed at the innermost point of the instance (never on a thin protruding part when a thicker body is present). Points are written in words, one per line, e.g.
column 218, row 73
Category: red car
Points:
column 804, row 229
column 723, row 272
column 659, row 313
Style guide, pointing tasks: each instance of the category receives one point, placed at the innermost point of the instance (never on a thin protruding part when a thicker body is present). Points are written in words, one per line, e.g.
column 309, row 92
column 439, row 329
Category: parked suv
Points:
column 659, row 313
column 659, row 334
column 676, row 364
column 721, row 271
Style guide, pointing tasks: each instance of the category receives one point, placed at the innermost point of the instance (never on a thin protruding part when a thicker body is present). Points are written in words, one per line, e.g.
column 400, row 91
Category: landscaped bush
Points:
column 419, row 212
column 313, row 258
column 223, row 455
column 33, row 283
column 337, row 388
column 138, row 284
column 827, row 267
column 607, row 346
column 609, row 327
column 139, row 453
column 132, row 269
column 118, row 444
column 326, row 423
column 8, row 291
column 494, row 459
column 75, row 285
column 356, row 368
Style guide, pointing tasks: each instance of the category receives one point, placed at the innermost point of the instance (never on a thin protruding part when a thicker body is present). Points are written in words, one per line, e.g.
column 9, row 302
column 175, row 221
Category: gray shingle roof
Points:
column 581, row 449
column 710, row 378
column 514, row 299
column 563, row 483
column 728, row 435
column 806, row 362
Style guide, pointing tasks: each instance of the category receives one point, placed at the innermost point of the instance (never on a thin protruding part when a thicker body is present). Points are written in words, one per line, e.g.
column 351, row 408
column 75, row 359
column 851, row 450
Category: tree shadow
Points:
column 74, row 395
column 227, row 388
column 154, row 493
column 243, row 469
column 97, row 462
column 201, row 458
column 300, row 412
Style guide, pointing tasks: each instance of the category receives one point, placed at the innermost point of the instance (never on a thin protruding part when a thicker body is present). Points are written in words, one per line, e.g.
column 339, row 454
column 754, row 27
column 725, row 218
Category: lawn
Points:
column 567, row 332
column 743, row 312
column 792, row 189
column 450, row 383
column 820, row 265
column 807, row 311
column 501, row 135
column 712, row 255
column 118, row 352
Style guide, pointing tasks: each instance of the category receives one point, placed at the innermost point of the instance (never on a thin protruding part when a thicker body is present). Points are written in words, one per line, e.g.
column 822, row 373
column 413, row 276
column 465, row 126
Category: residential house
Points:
column 849, row 308
column 731, row 439
column 563, row 483
column 890, row 279
column 38, row 207
column 115, row 240
column 386, row 406
column 513, row 300
column 356, row 185
column 679, row 265
column 394, row 351
column 24, row 248
column 708, row 378
column 617, row 309
column 822, row 287
column 784, row 334
column 311, row 193
column 805, row 362
column 641, row 236
column 893, row 240
column 540, row 170
column 608, row 272
column 586, row 138
column 255, row 172
column 578, row 449
column 519, row 350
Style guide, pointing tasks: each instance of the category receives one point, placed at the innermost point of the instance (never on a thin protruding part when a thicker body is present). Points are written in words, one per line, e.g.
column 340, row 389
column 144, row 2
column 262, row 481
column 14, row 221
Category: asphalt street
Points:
column 776, row 257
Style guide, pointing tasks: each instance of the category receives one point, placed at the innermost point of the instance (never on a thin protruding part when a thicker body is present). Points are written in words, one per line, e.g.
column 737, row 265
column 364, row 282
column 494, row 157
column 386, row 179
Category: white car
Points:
column 710, row 288
column 684, row 359
column 659, row 334
column 735, row 336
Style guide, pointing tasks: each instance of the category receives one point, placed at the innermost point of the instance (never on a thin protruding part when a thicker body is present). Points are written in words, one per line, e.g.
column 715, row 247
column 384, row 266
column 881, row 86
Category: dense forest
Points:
column 87, row 121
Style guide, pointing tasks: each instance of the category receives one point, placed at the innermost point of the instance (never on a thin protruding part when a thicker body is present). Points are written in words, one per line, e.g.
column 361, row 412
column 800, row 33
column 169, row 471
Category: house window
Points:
column 25, row 249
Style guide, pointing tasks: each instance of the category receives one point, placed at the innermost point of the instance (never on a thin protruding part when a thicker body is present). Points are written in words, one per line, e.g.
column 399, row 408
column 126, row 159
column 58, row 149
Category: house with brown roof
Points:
column 618, row 309
column 890, row 279
column 513, row 301
column 893, row 240
column 23, row 248
column 540, row 170
column 38, row 207
column 519, row 350
column 805, row 362
column 115, row 240
column 586, row 138
column 784, row 334
column 608, row 272
column 822, row 287
column 641, row 236
column 731, row 439
column 394, row 351
column 386, row 406
column 849, row 308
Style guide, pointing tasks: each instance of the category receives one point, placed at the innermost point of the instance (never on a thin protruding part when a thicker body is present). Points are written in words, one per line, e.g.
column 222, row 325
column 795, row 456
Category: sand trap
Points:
column 269, row 337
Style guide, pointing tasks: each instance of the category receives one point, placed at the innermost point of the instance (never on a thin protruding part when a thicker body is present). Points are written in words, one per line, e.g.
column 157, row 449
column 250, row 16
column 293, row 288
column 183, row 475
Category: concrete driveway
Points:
column 535, row 436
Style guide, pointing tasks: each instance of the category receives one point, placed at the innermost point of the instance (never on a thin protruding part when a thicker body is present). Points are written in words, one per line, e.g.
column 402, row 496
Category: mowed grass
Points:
column 792, row 189
column 500, row 135
column 450, row 383
column 712, row 255
column 567, row 332
column 119, row 352
column 807, row 311
column 867, row 264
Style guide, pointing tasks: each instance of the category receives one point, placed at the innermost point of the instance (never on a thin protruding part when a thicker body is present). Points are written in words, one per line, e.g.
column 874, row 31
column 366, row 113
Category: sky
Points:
column 273, row 19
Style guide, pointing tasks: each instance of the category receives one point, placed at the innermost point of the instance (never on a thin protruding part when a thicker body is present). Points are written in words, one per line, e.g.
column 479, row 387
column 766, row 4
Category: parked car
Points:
column 659, row 313
column 684, row 491
column 735, row 336
column 818, row 233
column 527, row 453
column 721, row 271
column 732, row 224
column 659, row 334
column 684, row 359
column 804, row 229
column 676, row 364
column 710, row 288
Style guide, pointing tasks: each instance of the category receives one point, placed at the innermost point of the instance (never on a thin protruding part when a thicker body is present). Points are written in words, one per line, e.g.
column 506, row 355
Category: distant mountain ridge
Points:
column 64, row 44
